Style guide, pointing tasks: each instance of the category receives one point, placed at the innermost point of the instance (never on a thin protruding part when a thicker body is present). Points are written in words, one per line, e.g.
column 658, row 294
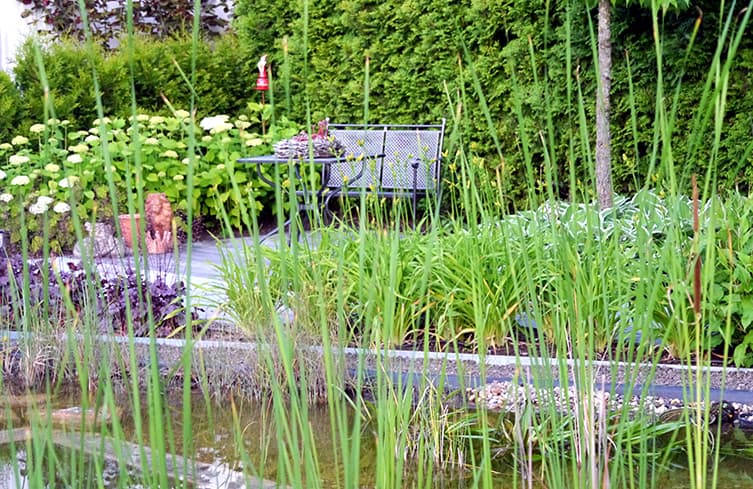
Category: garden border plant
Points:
column 62, row 166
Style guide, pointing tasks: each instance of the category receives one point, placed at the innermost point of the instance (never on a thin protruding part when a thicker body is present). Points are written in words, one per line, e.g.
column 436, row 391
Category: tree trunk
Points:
column 603, row 145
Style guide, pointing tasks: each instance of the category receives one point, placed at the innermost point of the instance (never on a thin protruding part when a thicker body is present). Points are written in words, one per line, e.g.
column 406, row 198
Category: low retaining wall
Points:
column 239, row 366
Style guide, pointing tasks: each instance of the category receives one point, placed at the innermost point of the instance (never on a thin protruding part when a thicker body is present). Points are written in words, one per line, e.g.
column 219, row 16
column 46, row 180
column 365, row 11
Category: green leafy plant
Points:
column 64, row 168
column 731, row 293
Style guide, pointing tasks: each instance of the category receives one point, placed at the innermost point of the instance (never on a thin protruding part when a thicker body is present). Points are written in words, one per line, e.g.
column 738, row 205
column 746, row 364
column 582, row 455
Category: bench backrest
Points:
column 357, row 140
column 412, row 157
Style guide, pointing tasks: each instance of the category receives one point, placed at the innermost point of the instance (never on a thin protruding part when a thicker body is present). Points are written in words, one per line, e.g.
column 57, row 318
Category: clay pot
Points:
column 125, row 228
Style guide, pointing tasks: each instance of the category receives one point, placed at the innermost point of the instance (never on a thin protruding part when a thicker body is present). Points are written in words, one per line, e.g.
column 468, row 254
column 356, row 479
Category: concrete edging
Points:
column 233, row 360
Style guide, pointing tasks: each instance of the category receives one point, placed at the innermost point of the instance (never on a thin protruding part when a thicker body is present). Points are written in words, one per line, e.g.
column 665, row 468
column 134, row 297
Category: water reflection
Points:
column 219, row 427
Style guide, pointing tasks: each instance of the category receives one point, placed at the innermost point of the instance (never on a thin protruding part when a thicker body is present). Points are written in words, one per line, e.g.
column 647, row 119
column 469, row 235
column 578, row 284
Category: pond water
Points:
column 214, row 431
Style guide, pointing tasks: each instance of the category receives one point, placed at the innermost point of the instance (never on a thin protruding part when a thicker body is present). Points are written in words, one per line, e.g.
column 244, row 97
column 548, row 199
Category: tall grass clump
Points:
column 577, row 296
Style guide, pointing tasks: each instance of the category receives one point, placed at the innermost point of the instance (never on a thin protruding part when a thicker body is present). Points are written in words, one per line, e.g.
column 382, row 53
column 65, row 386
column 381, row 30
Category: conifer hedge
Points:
column 224, row 75
column 420, row 54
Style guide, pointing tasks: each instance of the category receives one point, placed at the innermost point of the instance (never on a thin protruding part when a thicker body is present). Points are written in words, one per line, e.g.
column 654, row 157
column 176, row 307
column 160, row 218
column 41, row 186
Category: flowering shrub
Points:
column 59, row 169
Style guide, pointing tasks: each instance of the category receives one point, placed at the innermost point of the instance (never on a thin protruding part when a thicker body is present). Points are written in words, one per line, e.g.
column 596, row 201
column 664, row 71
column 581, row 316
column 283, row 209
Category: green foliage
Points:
column 731, row 293
column 533, row 63
column 564, row 273
column 147, row 154
column 223, row 76
column 10, row 107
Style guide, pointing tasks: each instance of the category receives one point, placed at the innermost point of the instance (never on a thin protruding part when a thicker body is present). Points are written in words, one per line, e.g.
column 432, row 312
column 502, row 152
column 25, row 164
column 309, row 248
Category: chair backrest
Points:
column 357, row 140
column 412, row 157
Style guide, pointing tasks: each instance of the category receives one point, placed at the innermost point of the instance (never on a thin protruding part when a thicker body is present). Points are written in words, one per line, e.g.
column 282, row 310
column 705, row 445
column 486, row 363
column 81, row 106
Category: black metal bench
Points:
column 410, row 165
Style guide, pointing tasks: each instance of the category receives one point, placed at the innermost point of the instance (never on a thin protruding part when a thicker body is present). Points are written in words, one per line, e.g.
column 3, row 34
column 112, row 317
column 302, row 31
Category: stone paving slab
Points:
column 206, row 256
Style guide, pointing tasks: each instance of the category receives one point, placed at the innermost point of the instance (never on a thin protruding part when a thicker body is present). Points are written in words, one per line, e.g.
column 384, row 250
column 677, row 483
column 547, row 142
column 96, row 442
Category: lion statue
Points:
column 159, row 215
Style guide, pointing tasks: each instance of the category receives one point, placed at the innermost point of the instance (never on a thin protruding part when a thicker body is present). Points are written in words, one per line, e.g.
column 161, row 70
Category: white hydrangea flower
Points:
column 242, row 124
column 45, row 200
column 155, row 120
column 91, row 138
column 142, row 117
column 37, row 128
column 182, row 114
column 94, row 130
column 52, row 167
column 6, row 146
column 65, row 123
column 68, row 182
column 151, row 141
column 20, row 180
column 53, row 121
column 170, row 154
column 74, row 158
column 178, row 178
column 209, row 123
column 38, row 208
column 19, row 141
column 254, row 142
column 104, row 120
column 61, row 208
column 206, row 139
column 220, row 128
column 6, row 197
column 79, row 148
column 2, row 175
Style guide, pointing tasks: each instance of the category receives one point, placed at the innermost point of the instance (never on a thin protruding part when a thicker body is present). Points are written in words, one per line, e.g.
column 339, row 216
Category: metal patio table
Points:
column 325, row 162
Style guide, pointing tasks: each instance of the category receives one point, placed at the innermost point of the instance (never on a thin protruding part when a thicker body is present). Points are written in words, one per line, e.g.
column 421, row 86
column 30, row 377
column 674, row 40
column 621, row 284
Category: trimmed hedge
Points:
column 10, row 107
column 415, row 48
column 224, row 74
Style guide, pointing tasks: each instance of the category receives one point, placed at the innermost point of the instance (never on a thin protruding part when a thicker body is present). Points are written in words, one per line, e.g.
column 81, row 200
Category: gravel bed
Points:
column 513, row 397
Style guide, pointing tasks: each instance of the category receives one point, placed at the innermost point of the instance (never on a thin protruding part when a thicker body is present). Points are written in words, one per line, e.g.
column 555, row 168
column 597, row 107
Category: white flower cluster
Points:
column 216, row 124
column 61, row 208
column 43, row 203
column 20, row 181
column 68, row 182
column 17, row 160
